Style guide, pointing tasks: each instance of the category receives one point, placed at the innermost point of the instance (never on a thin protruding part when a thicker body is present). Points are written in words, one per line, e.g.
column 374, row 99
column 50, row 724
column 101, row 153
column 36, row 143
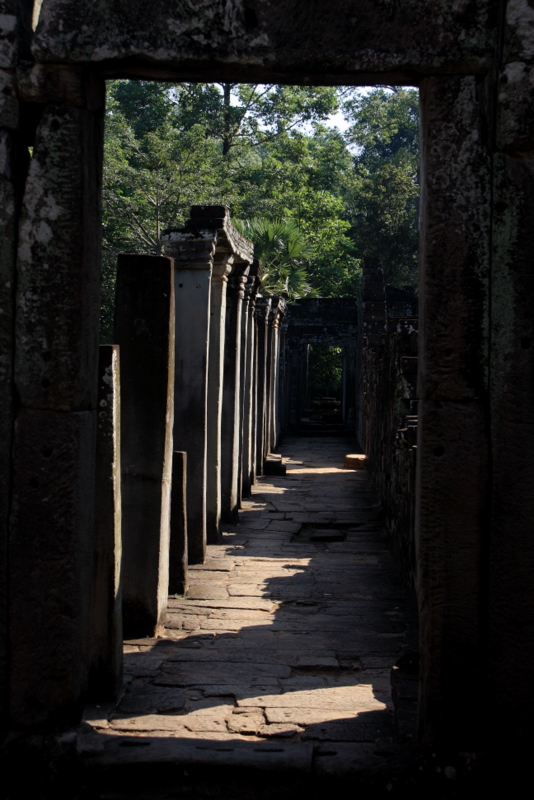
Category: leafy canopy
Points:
column 313, row 199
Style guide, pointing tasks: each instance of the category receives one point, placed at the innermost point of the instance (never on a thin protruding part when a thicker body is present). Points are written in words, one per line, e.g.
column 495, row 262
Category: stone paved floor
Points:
column 280, row 654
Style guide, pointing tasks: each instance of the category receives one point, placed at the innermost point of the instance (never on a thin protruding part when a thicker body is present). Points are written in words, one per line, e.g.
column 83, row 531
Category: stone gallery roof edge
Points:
column 334, row 36
column 210, row 222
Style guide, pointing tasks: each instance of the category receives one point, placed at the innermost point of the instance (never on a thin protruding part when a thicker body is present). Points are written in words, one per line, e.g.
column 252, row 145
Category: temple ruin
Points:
column 456, row 483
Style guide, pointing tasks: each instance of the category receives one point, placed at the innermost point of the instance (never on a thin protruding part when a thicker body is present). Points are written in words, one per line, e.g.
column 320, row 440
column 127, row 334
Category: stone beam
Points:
column 285, row 38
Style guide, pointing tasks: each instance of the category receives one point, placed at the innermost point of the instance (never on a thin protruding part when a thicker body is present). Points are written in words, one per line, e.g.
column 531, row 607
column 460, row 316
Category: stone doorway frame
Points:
column 473, row 525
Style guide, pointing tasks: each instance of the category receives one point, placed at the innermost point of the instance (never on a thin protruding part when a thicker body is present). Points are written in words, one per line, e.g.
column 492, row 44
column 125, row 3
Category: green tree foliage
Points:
column 325, row 371
column 383, row 200
column 314, row 206
column 285, row 254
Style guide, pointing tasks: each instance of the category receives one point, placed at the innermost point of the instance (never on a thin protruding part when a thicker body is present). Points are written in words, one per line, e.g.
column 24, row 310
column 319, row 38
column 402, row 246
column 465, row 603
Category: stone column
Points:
column 105, row 673
column 221, row 271
column 56, row 368
column 231, row 431
column 263, row 308
column 452, row 451
column 178, row 573
column 268, row 414
column 144, row 329
column 277, row 314
column 193, row 260
column 254, row 395
column 511, row 568
column 247, row 476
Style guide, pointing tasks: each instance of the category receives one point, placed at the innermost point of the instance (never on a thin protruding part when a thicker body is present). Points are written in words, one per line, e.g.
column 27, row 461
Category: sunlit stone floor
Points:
column 279, row 656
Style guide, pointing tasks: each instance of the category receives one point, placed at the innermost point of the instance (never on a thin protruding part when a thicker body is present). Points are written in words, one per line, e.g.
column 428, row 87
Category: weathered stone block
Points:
column 144, row 329
column 58, row 286
column 105, row 673
column 50, row 563
column 355, row 461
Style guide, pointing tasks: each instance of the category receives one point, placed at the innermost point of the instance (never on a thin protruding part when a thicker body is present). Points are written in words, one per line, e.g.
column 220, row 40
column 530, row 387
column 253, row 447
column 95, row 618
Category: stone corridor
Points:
column 279, row 656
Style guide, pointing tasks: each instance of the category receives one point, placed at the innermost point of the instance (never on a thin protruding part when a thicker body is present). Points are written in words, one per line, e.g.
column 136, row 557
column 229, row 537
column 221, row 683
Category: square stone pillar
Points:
column 277, row 313
column 254, row 393
column 511, row 568
column 56, row 365
column 452, row 514
column 178, row 573
column 217, row 335
column 244, row 368
column 263, row 308
column 144, row 329
column 231, row 428
column 249, row 368
column 105, row 672
column 193, row 254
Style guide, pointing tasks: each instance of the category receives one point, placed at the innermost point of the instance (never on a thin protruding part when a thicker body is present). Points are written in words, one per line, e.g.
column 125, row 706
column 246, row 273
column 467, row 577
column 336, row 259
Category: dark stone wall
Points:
column 388, row 410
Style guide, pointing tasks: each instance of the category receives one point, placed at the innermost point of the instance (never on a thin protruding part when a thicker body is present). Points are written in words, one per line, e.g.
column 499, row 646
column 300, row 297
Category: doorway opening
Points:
column 316, row 177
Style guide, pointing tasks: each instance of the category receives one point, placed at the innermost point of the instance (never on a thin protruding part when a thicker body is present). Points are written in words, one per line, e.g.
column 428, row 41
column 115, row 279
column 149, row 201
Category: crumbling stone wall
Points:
column 389, row 407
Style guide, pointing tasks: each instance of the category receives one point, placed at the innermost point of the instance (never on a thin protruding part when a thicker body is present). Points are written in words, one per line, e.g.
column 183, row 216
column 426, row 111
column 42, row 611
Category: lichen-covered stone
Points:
column 9, row 107
column 8, row 33
column 58, row 289
column 333, row 39
column 515, row 107
column 519, row 31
